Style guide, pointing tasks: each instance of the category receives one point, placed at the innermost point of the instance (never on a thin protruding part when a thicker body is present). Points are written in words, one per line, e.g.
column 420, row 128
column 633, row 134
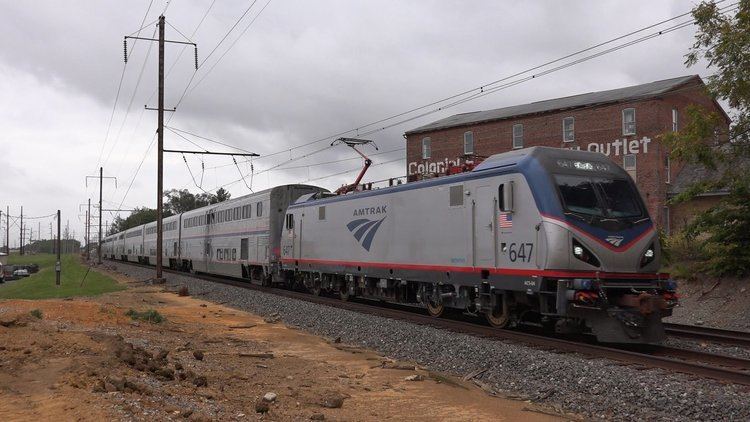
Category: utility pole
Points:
column 99, row 246
column 7, row 230
column 57, row 264
column 160, row 162
column 20, row 229
column 88, row 232
column 101, row 183
column 160, row 133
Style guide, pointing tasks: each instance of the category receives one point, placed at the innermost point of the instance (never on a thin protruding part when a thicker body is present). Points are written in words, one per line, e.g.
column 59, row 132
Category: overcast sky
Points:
column 302, row 71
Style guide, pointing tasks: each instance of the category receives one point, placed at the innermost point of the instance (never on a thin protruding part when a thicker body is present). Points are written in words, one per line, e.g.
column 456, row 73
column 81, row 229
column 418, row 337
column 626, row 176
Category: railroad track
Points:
column 719, row 367
column 738, row 338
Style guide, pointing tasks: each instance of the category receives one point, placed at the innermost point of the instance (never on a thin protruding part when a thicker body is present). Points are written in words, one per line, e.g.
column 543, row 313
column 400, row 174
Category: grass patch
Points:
column 445, row 380
column 36, row 313
column 150, row 315
column 42, row 284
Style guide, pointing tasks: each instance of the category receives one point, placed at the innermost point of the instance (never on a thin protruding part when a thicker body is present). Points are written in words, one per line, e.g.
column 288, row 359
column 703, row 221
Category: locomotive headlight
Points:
column 583, row 254
column 578, row 251
column 648, row 255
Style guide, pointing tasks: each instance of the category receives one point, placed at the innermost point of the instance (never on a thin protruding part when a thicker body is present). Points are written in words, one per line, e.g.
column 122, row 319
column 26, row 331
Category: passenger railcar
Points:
column 544, row 236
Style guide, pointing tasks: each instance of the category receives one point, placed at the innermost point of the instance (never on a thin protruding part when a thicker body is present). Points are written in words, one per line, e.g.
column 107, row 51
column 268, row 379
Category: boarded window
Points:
column 629, row 164
column 243, row 249
column 518, row 136
column 456, row 195
column 468, row 143
column 568, row 129
column 321, row 213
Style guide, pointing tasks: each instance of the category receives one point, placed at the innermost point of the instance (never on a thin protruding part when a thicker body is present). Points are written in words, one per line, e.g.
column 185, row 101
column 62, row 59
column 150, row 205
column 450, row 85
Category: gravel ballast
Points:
column 594, row 388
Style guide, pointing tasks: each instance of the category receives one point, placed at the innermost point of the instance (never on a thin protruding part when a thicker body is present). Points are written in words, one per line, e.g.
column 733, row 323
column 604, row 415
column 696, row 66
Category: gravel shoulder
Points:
column 594, row 388
column 147, row 354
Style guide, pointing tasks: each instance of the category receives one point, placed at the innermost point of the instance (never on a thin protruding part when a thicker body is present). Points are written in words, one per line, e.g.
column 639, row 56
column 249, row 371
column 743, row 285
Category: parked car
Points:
column 21, row 272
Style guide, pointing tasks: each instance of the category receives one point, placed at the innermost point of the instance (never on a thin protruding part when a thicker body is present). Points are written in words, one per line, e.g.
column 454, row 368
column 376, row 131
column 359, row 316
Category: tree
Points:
column 721, row 234
column 137, row 217
column 179, row 201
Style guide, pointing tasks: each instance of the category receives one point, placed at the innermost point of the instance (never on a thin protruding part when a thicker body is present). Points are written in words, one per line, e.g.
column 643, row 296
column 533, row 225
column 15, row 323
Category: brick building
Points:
column 622, row 123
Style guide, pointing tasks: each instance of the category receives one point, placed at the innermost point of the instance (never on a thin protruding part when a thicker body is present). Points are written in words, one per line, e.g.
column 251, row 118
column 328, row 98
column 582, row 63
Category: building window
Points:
column 468, row 143
column 628, row 163
column 675, row 120
column 667, row 168
column 518, row 136
column 628, row 121
column 426, row 152
column 568, row 129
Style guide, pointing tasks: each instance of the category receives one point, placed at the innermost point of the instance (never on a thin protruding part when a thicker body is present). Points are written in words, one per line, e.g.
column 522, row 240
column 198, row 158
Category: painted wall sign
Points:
column 615, row 148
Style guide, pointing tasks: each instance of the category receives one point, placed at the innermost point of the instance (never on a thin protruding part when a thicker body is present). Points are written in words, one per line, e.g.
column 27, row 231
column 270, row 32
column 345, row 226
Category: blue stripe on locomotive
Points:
column 540, row 182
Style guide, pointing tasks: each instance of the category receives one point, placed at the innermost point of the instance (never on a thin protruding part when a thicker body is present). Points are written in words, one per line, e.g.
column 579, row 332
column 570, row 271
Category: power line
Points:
column 175, row 131
column 482, row 89
column 119, row 88
column 228, row 49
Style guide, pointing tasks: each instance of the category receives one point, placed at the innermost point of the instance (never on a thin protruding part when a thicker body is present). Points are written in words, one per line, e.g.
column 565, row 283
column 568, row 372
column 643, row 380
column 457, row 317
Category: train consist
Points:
column 543, row 236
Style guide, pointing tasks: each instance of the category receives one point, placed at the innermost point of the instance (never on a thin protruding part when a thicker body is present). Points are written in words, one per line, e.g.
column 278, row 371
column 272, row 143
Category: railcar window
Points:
column 501, row 197
column 243, row 249
column 259, row 209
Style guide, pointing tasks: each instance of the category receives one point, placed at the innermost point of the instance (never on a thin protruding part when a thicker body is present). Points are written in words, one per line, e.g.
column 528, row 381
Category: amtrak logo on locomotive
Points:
column 364, row 230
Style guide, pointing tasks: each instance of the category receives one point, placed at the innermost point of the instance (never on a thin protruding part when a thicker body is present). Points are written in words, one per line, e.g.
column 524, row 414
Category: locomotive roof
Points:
column 552, row 160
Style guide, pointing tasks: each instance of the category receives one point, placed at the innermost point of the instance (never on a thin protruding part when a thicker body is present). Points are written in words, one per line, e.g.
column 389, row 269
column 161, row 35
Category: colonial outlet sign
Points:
column 615, row 148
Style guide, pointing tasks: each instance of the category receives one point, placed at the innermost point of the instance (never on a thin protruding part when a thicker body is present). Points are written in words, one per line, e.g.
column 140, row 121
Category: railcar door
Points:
column 483, row 211
column 298, row 237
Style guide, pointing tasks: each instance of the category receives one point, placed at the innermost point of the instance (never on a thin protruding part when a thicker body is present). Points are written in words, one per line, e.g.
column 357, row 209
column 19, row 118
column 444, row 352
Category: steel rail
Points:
column 660, row 357
column 739, row 338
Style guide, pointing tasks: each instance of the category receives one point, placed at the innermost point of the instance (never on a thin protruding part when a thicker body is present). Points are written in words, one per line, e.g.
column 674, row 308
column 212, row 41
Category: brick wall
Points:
column 597, row 128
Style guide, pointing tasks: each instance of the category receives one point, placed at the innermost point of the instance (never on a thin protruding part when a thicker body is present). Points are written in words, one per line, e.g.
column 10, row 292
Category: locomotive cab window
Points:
column 289, row 221
column 614, row 198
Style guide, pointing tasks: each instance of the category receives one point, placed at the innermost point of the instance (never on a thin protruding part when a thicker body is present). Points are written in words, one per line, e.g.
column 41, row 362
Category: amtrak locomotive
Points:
column 543, row 236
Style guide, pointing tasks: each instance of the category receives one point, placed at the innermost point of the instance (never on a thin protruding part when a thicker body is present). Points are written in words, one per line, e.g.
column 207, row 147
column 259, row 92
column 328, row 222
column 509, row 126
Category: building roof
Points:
column 693, row 173
column 651, row 89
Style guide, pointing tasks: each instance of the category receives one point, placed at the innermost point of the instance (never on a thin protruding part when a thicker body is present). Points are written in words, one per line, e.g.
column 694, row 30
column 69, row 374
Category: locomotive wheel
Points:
column 435, row 309
column 316, row 289
column 344, row 293
column 498, row 317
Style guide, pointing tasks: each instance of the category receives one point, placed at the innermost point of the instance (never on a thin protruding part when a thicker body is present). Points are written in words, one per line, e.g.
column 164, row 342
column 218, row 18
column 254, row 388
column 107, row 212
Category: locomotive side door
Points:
column 483, row 212
column 298, row 236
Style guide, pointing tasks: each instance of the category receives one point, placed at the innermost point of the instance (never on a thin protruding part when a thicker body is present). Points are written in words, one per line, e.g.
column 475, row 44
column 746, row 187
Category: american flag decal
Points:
column 506, row 220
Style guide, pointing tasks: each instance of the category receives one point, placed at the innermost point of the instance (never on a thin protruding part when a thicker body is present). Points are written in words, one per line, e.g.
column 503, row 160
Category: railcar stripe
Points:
column 498, row 271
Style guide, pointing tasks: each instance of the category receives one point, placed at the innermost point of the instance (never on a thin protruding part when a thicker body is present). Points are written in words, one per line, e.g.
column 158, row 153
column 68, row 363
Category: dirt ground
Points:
column 84, row 359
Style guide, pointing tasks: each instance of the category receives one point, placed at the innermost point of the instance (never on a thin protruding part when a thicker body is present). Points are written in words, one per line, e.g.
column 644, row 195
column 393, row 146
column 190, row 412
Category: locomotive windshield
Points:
column 599, row 197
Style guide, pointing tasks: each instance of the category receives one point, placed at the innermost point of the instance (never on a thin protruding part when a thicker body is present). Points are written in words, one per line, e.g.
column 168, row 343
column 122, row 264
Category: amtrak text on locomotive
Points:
column 380, row 209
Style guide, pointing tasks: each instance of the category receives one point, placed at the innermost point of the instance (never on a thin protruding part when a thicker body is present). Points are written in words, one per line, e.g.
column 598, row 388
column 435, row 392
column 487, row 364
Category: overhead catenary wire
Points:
column 482, row 90
column 119, row 87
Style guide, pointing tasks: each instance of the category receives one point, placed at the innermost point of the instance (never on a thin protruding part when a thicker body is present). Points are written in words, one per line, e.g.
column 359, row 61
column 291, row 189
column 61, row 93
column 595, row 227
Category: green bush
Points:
column 36, row 313
column 150, row 315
